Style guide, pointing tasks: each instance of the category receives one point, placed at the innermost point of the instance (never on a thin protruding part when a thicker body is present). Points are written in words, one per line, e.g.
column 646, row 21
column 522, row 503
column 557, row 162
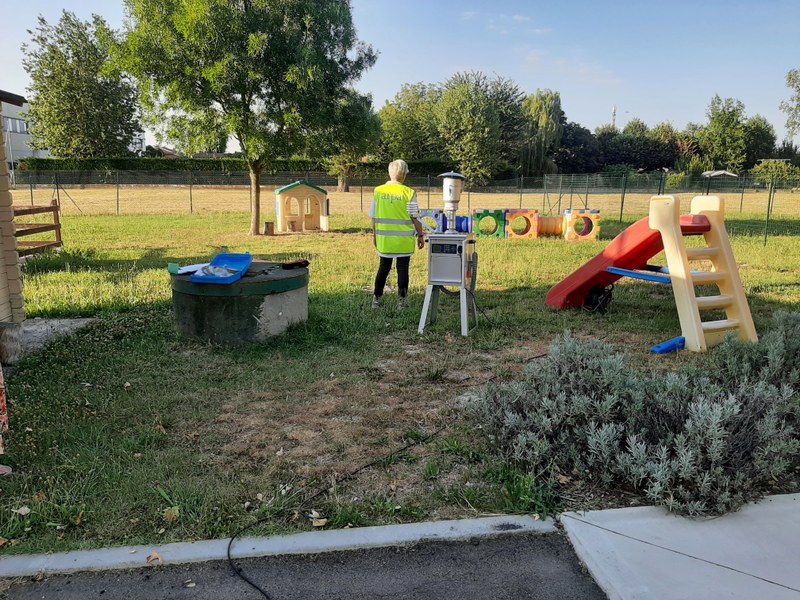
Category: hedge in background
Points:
column 227, row 165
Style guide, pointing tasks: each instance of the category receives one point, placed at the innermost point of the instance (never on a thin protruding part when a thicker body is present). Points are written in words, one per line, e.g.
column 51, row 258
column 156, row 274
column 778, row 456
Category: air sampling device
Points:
column 452, row 262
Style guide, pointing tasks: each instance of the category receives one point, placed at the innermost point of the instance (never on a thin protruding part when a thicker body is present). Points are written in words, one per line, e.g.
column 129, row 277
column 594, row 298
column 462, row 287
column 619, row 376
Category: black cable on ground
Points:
column 306, row 501
column 598, row 299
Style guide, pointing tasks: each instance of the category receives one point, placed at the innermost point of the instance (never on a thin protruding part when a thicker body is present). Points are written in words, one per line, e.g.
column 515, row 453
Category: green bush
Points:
column 697, row 441
column 228, row 165
column 676, row 181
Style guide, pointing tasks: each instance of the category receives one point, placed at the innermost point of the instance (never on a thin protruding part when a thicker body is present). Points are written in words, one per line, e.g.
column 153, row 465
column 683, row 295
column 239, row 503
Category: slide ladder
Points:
column 723, row 273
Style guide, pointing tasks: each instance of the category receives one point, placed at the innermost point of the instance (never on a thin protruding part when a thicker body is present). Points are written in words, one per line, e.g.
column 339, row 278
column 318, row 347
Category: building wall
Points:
column 16, row 137
column 11, row 300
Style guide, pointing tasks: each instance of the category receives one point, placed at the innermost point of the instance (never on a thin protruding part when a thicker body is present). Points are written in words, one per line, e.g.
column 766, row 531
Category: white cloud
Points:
column 542, row 62
column 504, row 24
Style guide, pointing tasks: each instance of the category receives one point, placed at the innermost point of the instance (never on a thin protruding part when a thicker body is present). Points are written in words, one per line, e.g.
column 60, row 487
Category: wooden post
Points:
column 57, row 220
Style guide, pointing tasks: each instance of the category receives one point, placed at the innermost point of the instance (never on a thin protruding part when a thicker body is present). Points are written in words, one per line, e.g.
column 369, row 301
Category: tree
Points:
column 768, row 170
column 275, row 70
column 81, row 106
column 469, row 126
column 579, row 151
column 792, row 106
column 409, row 124
column 759, row 140
column 544, row 125
column 788, row 149
column 636, row 128
column 355, row 131
column 506, row 98
column 191, row 134
column 723, row 140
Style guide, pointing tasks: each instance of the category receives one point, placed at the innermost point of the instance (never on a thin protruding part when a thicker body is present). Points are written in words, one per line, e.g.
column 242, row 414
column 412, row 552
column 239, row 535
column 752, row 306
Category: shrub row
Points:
column 702, row 440
column 227, row 165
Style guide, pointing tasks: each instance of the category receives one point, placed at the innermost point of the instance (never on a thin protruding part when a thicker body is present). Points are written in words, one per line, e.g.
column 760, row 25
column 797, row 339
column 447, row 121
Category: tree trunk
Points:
column 255, row 208
column 344, row 179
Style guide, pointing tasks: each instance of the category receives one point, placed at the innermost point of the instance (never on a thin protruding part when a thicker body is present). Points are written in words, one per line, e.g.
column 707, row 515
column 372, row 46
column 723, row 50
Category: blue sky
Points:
column 655, row 60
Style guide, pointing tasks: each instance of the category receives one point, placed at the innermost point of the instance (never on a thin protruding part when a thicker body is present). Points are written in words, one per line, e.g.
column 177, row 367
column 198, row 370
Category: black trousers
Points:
column 402, row 275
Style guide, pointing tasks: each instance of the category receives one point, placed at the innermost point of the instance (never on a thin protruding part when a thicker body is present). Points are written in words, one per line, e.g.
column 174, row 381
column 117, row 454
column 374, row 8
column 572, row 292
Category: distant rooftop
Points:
column 10, row 98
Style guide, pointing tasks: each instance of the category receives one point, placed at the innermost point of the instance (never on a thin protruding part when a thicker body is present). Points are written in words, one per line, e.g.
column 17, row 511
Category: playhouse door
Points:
column 312, row 214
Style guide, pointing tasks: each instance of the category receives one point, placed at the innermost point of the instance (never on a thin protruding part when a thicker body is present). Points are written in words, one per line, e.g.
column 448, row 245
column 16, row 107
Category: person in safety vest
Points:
column 396, row 230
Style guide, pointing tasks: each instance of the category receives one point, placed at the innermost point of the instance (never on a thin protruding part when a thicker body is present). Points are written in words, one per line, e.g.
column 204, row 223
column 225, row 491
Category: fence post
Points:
column 191, row 199
column 622, row 198
column 769, row 207
column 116, row 178
column 362, row 192
column 30, row 183
column 544, row 191
column 429, row 190
column 58, row 191
column 571, row 186
column 586, row 197
column 741, row 197
column 560, row 186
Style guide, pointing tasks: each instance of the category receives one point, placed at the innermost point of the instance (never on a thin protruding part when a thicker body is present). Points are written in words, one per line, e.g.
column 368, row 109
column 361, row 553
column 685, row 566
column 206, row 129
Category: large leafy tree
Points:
column 479, row 123
column 759, row 140
column 636, row 128
column 355, row 131
column 191, row 134
column 544, row 125
column 579, row 151
column 81, row 106
column 274, row 70
column 507, row 99
column 792, row 106
column 409, row 124
column 723, row 140
column 469, row 126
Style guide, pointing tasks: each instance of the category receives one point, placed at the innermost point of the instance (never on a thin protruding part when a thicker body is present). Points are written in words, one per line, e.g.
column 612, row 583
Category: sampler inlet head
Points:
column 451, row 192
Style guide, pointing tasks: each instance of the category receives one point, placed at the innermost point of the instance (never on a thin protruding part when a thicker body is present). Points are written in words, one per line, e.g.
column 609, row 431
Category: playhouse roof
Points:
column 298, row 184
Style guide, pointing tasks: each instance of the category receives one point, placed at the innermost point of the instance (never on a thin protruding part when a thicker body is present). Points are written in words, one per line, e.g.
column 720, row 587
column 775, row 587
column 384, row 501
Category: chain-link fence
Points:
column 753, row 206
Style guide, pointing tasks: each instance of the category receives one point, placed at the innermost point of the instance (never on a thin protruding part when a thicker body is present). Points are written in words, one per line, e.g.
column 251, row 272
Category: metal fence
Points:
column 753, row 206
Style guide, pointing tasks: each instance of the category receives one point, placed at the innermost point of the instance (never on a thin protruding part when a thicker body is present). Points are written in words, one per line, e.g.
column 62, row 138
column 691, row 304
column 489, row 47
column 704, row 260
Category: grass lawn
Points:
column 124, row 433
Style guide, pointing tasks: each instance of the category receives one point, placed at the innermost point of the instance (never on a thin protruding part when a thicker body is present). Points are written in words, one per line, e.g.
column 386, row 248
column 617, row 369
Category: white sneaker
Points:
column 376, row 301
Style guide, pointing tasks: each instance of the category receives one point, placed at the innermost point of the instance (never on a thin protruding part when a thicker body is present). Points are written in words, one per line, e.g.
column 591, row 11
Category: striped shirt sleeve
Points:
column 413, row 207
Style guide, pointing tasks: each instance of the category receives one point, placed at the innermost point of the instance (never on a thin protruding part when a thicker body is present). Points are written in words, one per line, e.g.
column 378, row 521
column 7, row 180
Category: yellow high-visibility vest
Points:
column 394, row 230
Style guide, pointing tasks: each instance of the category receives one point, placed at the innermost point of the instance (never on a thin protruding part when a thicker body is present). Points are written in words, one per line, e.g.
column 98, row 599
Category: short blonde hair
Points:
column 398, row 170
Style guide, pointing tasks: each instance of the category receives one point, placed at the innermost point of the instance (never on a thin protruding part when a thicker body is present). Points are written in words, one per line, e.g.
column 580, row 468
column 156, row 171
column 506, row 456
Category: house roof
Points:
column 297, row 184
column 719, row 174
column 10, row 98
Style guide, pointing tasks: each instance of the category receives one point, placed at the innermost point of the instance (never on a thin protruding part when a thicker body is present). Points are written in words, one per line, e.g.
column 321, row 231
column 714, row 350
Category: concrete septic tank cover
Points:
column 261, row 304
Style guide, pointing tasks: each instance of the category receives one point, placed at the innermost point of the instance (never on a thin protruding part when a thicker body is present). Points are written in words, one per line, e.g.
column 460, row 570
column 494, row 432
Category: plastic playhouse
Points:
column 665, row 229
column 301, row 206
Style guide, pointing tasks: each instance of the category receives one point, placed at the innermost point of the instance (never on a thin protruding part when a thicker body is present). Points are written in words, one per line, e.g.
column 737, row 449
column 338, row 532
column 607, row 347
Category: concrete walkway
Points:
column 638, row 553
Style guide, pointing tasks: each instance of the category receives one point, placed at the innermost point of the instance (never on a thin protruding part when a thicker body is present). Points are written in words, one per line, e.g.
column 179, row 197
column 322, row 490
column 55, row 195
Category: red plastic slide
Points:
column 631, row 250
